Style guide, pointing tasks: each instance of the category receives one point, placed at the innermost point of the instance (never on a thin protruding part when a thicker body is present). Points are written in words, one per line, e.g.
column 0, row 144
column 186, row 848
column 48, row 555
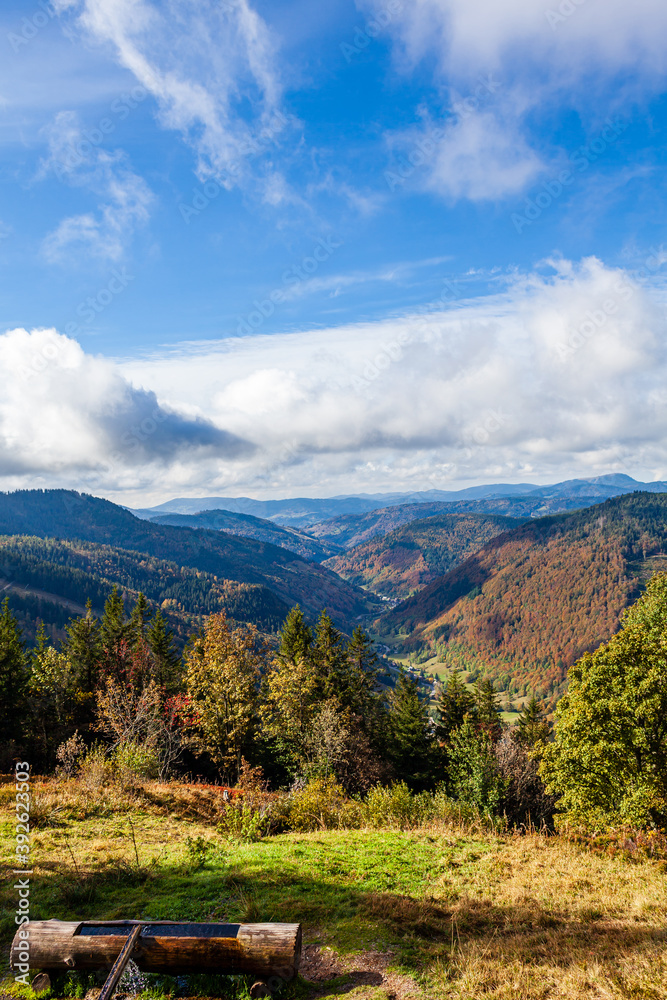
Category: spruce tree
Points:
column 139, row 619
column 411, row 739
column 296, row 638
column 331, row 662
column 13, row 676
column 114, row 628
column 84, row 648
column 454, row 704
column 532, row 727
column 160, row 639
column 487, row 709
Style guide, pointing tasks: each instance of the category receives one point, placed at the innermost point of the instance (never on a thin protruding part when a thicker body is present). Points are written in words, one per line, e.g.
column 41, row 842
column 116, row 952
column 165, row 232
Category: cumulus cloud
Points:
column 209, row 65
column 545, row 52
column 561, row 373
column 125, row 198
column 64, row 413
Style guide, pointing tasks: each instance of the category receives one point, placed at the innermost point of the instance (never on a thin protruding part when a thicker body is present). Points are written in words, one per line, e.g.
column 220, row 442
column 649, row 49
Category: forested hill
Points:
column 532, row 600
column 49, row 580
column 249, row 526
column 68, row 515
column 407, row 559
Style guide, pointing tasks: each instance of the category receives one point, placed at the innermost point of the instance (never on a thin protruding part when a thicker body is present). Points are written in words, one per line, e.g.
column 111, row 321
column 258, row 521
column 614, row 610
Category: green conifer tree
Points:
column 532, row 727
column 487, row 710
column 13, row 677
column 114, row 629
column 411, row 738
column 454, row 704
column 139, row 619
column 331, row 662
column 296, row 638
column 84, row 648
column 160, row 639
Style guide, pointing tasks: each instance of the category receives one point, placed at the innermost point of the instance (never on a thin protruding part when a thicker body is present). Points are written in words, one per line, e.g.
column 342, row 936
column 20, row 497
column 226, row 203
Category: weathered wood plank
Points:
column 262, row 949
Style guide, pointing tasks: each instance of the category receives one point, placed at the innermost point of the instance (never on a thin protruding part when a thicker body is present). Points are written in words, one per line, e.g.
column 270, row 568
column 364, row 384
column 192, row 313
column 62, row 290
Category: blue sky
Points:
column 284, row 248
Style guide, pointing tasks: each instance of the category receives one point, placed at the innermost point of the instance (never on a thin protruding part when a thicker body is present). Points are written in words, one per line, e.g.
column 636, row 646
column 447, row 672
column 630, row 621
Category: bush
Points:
column 96, row 770
column 397, row 807
column 243, row 820
column 70, row 755
column 320, row 805
column 131, row 761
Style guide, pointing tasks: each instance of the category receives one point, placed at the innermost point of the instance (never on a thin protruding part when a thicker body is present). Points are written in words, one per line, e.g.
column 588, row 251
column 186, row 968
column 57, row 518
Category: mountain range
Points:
column 531, row 600
column 303, row 512
column 66, row 515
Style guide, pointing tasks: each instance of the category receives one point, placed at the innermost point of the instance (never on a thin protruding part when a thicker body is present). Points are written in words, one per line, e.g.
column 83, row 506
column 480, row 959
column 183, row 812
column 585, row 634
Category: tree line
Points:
column 312, row 706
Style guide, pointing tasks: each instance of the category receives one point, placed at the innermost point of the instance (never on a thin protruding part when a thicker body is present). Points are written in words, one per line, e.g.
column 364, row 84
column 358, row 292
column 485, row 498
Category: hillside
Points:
column 52, row 580
column 350, row 530
column 407, row 559
column 67, row 515
column 248, row 526
column 532, row 600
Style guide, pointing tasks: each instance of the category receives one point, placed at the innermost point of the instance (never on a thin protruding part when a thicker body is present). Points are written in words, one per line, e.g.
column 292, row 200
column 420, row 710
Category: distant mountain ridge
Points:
column 304, row 512
column 249, row 526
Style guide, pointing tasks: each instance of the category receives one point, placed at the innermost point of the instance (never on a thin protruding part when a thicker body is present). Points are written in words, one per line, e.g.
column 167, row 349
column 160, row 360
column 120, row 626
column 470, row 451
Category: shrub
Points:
column 70, row 755
column 131, row 761
column 320, row 805
column 96, row 770
column 397, row 807
column 245, row 821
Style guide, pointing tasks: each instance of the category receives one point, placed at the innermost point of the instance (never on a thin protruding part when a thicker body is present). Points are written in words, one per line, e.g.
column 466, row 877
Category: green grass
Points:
column 443, row 912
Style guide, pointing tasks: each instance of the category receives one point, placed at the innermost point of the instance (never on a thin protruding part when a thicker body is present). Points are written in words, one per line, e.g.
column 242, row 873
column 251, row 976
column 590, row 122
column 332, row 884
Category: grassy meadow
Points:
column 442, row 911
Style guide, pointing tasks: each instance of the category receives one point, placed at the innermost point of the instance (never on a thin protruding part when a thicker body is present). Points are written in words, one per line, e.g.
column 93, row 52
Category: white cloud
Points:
column 125, row 197
column 475, row 156
column 594, row 55
column 65, row 414
column 210, row 66
column 574, row 38
column 562, row 374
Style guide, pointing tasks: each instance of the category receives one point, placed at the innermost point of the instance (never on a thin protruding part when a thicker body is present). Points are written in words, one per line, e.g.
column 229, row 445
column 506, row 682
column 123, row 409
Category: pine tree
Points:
column 487, row 709
column 411, row 739
column 331, row 662
column 84, row 648
column 454, row 704
column 139, row 619
column 532, row 727
column 13, row 676
column 114, row 628
column 296, row 638
column 160, row 639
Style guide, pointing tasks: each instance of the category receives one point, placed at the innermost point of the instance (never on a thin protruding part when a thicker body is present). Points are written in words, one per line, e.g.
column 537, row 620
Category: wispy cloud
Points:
column 124, row 197
column 210, row 66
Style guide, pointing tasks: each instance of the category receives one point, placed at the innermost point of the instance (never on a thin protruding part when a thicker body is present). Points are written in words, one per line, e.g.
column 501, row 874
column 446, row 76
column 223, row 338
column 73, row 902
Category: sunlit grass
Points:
column 455, row 913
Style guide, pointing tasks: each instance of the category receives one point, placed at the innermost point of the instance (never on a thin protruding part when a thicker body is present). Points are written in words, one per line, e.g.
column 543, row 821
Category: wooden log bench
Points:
column 267, row 951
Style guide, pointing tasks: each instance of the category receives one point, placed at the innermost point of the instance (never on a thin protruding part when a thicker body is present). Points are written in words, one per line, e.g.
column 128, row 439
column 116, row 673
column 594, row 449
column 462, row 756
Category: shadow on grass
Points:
column 346, row 914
